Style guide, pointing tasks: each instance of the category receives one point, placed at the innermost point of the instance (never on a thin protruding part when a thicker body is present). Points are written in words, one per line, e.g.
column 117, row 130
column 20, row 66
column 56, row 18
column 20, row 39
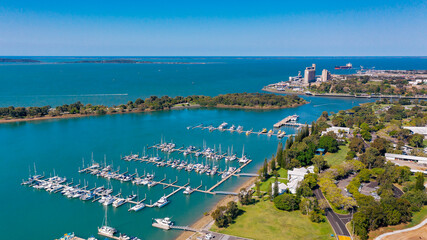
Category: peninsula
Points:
column 260, row 101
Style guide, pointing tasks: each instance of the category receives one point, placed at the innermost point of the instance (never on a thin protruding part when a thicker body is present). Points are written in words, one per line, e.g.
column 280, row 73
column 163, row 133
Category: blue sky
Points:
column 213, row 28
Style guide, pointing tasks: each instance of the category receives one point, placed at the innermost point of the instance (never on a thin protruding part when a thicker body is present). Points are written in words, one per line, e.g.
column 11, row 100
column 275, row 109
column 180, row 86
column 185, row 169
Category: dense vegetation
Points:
column 376, row 128
column 363, row 85
column 154, row 103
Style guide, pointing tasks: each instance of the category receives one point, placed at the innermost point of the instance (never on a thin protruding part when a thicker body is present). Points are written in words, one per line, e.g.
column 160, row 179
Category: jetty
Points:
column 289, row 120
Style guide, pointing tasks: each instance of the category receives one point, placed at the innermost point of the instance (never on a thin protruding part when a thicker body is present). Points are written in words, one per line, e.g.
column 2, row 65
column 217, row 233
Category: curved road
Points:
column 337, row 221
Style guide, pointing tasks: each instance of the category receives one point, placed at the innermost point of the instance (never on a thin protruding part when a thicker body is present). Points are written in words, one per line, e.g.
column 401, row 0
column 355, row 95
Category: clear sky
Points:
column 213, row 28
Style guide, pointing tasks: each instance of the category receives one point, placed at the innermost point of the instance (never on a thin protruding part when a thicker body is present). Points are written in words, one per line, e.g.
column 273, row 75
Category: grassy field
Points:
column 283, row 174
column 263, row 221
column 338, row 157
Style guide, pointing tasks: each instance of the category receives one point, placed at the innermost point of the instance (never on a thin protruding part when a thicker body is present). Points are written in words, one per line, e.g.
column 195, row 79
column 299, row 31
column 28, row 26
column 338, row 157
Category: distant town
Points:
column 366, row 83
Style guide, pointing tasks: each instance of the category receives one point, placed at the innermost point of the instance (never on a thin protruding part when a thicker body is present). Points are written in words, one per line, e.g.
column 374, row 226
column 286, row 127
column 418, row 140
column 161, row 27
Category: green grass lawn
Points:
column 338, row 157
column 418, row 217
column 283, row 173
column 263, row 221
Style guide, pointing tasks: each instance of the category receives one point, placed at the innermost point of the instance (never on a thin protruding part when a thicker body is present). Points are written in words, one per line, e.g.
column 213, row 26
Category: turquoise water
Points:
column 54, row 84
column 60, row 145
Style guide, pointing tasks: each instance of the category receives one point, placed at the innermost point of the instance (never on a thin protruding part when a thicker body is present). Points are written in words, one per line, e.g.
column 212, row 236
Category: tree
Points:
column 232, row 209
column 357, row 145
column 287, row 202
column 279, row 155
column 258, row 188
column 419, row 184
column 381, row 144
column 276, row 188
column 329, row 143
column 319, row 162
column 265, row 170
column 221, row 219
column 366, row 135
column 372, row 158
column 416, row 140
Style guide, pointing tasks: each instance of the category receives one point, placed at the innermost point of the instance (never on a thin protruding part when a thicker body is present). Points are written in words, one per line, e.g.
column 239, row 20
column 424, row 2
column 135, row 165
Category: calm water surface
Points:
column 60, row 145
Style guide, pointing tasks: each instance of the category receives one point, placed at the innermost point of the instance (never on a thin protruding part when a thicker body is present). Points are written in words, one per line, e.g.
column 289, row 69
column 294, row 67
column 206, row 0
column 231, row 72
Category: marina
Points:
column 289, row 121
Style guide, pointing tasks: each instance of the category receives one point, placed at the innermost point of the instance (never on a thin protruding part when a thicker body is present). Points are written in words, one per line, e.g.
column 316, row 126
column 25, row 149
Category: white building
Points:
column 339, row 131
column 310, row 74
column 419, row 160
column 295, row 176
column 326, row 76
column 419, row 130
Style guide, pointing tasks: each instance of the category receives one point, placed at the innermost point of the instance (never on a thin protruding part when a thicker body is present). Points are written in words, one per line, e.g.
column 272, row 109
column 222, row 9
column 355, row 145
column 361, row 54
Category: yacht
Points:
column 105, row 230
column 232, row 128
column 137, row 207
column 164, row 223
column 161, row 202
column 188, row 190
column 239, row 129
column 131, row 197
column 108, row 200
column 118, row 202
column 222, row 126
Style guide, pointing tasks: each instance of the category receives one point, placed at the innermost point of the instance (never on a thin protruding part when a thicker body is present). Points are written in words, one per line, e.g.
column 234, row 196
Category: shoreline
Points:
column 78, row 115
column 343, row 95
column 206, row 220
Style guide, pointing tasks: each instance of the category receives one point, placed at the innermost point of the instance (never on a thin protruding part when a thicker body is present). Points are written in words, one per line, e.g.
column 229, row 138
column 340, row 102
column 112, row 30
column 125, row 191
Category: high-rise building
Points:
column 326, row 76
column 310, row 74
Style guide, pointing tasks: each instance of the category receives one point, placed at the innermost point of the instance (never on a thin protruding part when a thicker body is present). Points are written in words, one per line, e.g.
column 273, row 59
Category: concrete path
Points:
column 380, row 237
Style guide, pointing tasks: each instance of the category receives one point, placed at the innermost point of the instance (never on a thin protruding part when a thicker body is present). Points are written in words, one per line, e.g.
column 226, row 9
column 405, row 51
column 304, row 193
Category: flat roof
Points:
column 419, row 130
column 409, row 157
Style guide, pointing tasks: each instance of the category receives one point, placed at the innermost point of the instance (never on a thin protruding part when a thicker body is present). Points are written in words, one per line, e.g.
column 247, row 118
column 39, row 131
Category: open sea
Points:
column 60, row 145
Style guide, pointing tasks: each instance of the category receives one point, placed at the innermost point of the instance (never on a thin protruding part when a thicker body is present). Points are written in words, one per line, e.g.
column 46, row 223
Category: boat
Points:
column 108, row 200
column 137, row 207
column 347, row 66
column 264, row 130
column 239, row 129
column 131, row 197
column 188, row 190
column 222, row 126
column 163, row 223
column 106, row 230
column 118, row 202
column 161, row 202
column 232, row 128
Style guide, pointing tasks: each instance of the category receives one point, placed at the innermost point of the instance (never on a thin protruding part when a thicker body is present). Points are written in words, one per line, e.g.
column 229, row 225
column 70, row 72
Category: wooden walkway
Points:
column 231, row 174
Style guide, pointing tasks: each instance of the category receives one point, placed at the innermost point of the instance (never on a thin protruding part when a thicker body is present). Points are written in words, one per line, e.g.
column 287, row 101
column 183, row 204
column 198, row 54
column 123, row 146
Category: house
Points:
column 339, row 131
column 295, row 176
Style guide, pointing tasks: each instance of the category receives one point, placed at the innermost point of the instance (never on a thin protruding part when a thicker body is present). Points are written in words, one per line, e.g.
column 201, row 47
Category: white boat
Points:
column 163, row 223
column 105, row 230
column 161, row 202
column 137, row 207
column 108, row 200
column 118, row 202
column 188, row 190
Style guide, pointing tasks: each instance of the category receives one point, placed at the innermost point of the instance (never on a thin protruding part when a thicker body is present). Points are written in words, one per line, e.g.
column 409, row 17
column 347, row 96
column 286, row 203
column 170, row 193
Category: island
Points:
column 18, row 60
column 260, row 101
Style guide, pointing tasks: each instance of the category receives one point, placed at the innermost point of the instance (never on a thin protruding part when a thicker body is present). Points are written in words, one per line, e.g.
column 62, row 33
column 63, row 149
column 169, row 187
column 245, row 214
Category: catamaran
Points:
column 105, row 230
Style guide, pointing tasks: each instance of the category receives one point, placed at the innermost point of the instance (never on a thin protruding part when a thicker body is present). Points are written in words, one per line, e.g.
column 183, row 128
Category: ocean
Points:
column 60, row 145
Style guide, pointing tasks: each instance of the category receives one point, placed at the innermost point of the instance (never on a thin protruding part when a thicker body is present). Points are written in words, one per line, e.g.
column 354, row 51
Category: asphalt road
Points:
column 337, row 221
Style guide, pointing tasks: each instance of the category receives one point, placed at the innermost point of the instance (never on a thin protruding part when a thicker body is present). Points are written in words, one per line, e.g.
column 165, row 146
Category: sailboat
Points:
column 105, row 230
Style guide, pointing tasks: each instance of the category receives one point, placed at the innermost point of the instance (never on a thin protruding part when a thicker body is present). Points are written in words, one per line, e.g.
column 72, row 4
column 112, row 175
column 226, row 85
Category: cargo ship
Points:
column 347, row 66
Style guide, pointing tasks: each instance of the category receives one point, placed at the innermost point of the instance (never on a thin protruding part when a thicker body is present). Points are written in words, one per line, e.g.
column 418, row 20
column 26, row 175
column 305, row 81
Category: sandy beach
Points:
column 207, row 219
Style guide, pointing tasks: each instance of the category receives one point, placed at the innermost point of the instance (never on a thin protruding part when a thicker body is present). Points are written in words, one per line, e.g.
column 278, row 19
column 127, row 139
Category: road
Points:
column 337, row 221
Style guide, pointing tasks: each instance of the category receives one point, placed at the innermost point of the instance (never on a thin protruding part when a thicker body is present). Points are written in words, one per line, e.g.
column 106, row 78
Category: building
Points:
column 419, row 130
column 326, row 76
column 295, row 176
column 419, row 160
column 339, row 131
column 310, row 74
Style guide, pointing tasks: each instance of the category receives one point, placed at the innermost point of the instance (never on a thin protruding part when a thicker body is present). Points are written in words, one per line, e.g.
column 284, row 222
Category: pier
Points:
column 279, row 134
column 286, row 121
column 227, row 177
